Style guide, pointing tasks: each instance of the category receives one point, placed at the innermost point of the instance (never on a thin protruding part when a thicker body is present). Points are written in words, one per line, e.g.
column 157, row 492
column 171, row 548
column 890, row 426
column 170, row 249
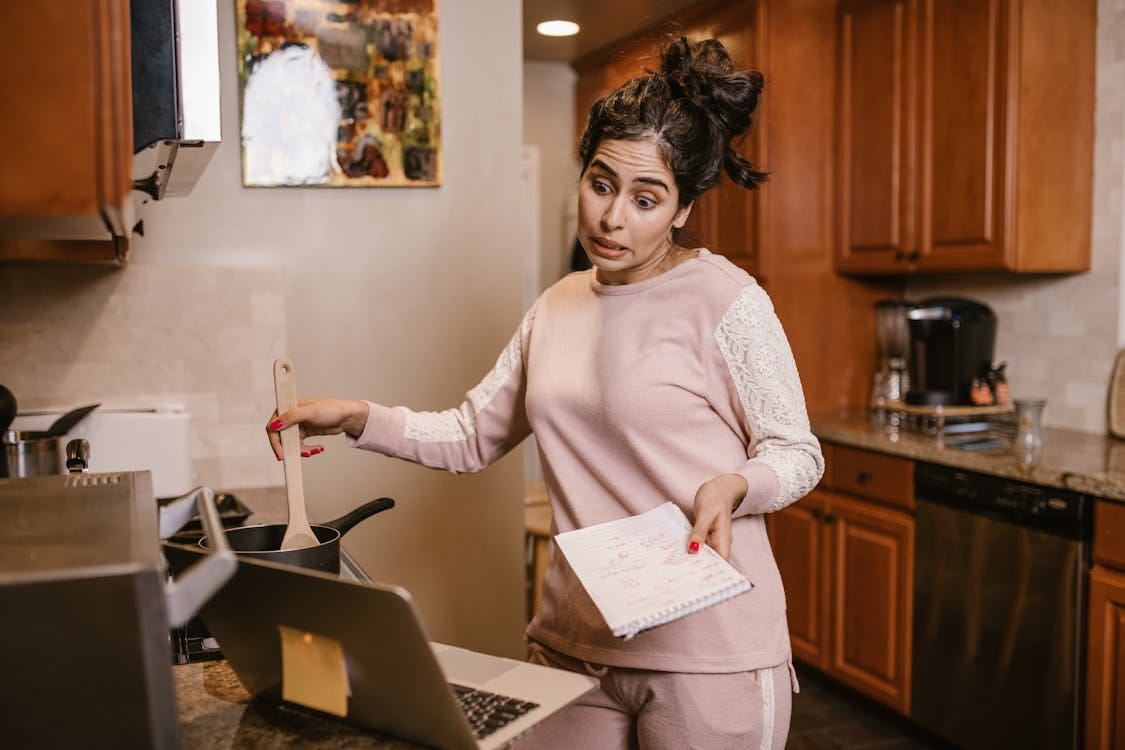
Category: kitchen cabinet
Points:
column 66, row 171
column 798, row 535
column 1105, row 647
column 726, row 218
column 846, row 561
column 965, row 135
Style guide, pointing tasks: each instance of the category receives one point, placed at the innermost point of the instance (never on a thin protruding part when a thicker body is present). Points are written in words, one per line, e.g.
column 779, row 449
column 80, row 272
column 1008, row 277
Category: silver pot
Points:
column 31, row 454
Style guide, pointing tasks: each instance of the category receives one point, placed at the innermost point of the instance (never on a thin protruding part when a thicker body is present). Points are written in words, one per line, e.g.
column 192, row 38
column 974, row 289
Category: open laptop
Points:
column 397, row 681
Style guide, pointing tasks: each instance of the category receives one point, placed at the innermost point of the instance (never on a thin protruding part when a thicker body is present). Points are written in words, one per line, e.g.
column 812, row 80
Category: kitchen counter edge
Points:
column 1072, row 460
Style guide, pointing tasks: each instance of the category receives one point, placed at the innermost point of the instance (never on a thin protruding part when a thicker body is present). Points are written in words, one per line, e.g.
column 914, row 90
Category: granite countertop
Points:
column 1079, row 461
column 217, row 713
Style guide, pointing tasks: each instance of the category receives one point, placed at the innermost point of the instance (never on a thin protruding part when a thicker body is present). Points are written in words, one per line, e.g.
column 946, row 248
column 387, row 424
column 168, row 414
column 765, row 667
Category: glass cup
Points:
column 1029, row 427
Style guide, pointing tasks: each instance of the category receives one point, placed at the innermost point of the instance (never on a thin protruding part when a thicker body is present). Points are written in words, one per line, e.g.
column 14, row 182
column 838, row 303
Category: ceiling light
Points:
column 557, row 28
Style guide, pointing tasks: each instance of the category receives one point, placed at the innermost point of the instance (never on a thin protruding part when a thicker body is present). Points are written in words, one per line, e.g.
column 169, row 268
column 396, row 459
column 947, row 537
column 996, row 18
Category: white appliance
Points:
column 131, row 438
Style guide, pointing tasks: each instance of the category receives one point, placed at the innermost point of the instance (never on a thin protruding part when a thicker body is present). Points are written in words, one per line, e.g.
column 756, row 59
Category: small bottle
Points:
column 998, row 383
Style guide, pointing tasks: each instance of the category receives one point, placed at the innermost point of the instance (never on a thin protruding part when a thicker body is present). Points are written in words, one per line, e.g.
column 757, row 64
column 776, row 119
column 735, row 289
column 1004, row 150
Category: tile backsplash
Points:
column 202, row 336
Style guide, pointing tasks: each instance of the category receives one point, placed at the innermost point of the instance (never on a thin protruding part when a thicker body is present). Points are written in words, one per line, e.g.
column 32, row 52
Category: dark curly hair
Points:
column 694, row 107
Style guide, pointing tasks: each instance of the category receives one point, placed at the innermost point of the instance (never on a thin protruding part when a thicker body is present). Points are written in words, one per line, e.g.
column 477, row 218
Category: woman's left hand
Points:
column 715, row 501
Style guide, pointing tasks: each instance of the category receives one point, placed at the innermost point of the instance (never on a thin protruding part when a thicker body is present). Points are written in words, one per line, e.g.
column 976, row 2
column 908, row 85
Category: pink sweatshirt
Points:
column 637, row 394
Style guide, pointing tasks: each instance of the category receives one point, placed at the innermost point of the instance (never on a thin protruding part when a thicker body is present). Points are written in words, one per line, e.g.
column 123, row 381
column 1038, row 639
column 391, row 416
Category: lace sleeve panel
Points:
column 461, row 424
column 765, row 378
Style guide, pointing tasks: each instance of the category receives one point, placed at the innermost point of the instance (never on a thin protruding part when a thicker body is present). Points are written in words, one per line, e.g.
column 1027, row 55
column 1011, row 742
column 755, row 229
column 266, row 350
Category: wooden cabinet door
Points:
column 726, row 218
column 1105, row 661
column 950, row 158
column 872, row 554
column 963, row 116
column 877, row 134
column 797, row 537
column 847, row 566
column 66, row 165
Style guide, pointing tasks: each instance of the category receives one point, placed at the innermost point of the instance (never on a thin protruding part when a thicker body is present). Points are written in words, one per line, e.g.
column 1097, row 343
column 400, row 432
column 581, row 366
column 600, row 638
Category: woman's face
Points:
column 628, row 205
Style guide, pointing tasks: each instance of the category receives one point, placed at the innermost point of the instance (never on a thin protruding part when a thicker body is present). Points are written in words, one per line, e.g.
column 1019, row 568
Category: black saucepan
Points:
column 263, row 542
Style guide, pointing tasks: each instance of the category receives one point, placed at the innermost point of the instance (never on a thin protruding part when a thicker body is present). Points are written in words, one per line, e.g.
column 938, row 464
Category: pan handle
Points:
column 345, row 522
column 185, row 595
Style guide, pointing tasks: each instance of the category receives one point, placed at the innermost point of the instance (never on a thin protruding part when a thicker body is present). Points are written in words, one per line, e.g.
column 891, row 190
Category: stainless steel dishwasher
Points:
column 999, row 610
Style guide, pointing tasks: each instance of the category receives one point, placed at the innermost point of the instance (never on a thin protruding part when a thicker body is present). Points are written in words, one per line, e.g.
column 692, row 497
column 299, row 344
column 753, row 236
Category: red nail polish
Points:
column 305, row 454
column 317, row 450
column 694, row 546
column 275, row 424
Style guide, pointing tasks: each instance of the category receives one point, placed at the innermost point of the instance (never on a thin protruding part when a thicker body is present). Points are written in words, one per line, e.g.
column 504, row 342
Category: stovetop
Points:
column 193, row 643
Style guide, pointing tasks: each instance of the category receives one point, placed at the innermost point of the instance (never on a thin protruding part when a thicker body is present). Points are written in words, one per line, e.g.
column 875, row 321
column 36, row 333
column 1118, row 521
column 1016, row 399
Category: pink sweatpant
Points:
column 636, row 709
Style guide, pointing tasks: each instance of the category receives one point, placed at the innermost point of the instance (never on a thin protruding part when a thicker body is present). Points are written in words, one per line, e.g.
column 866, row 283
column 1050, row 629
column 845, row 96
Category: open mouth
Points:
column 607, row 248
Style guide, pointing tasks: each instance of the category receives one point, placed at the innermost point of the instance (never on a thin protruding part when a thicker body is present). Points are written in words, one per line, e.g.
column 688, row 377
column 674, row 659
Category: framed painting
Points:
column 339, row 93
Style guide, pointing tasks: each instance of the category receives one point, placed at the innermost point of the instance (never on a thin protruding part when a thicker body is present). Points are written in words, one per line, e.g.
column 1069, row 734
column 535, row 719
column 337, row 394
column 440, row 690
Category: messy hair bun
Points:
column 695, row 107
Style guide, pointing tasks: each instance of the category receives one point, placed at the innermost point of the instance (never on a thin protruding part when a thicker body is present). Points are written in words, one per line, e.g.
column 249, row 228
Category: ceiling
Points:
column 601, row 21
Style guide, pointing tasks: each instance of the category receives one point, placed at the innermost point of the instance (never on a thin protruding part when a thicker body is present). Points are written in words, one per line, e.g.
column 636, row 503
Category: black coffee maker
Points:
column 951, row 344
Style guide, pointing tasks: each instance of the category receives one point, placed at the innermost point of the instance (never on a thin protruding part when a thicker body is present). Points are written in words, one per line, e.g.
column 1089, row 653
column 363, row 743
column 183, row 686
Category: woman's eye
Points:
column 646, row 203
column 601, row 187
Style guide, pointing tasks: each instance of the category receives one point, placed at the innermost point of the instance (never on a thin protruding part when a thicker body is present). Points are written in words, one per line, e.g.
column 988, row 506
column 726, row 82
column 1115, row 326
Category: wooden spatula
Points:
column 298, row 534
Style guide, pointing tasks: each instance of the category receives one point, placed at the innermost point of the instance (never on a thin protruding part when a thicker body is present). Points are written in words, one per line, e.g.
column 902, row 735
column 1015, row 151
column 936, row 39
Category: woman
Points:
column 661, row 374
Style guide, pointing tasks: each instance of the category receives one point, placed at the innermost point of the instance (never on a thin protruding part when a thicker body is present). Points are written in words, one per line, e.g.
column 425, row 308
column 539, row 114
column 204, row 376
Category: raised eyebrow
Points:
column 604, row 167
column 646, row 180
column 654, row 181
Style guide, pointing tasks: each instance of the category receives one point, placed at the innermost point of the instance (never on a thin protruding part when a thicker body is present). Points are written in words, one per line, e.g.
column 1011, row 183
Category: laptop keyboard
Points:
column 486, row 711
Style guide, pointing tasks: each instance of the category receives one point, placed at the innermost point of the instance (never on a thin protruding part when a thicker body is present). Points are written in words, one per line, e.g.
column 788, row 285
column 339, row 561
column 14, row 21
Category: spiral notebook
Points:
column 639, row 573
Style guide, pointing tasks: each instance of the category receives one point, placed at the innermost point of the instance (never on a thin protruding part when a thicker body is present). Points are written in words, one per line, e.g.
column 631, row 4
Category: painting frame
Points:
column 339, row 93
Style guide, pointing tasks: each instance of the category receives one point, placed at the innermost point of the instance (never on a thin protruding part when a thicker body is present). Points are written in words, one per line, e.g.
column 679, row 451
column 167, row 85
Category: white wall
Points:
column 548, row 124
column 1110, row 213
column 396, row 295
column 1059, row 335
column 548, row 135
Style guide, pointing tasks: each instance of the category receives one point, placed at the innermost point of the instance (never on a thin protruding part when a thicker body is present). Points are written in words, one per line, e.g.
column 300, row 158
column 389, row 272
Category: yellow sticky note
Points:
column 313, row 672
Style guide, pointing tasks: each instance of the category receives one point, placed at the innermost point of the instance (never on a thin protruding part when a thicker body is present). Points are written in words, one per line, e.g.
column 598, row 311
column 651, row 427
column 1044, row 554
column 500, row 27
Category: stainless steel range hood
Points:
column 176, row 126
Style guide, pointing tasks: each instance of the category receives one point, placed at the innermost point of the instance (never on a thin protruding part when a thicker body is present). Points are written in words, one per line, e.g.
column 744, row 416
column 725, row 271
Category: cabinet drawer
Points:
column 1109, row 533
column 874, row 475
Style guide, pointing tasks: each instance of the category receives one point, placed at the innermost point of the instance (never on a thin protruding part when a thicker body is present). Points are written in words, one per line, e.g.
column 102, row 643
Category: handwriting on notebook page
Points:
column 638, row 568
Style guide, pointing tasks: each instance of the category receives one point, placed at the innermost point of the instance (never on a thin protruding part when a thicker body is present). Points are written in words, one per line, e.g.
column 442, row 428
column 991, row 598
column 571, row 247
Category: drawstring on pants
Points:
column 595, row 671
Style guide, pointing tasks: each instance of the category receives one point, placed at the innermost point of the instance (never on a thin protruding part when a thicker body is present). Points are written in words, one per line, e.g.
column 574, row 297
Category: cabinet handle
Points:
column 899, row 255
column 912, row 256
column 830, row 518
column 862, row 477
column 816, row 513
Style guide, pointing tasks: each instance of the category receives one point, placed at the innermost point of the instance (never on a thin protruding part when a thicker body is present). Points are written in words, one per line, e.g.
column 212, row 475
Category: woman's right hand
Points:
column 318, row 416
